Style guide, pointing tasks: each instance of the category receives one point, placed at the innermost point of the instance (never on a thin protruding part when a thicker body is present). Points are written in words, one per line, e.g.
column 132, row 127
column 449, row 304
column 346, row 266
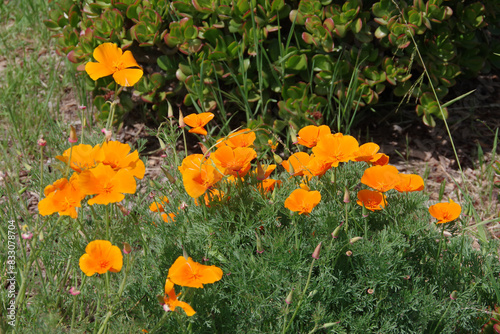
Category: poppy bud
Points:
column 170, row 112
column 335, row 233
column 346, row 195
column 289, row 298
column 454, row 295
column 72, row 135
column 127, row 249
column 329, row 324
column 160, row 299
column 107, row 134
column 204, row 149
column 260, row 249
column 293, row 135
column 348, row 253
column 181, row 120
column 260, row 172
column 353, row 240
column 82, row 107
column 315, row 254
column 73, row 291
column 168, row 175
column 124, row 211
column 41, row 142
column 277, row 159
column 370, row 291
column 184, row 253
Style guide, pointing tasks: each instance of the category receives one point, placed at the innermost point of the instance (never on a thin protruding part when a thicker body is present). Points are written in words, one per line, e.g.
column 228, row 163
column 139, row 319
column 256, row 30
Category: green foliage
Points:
column 335, row 56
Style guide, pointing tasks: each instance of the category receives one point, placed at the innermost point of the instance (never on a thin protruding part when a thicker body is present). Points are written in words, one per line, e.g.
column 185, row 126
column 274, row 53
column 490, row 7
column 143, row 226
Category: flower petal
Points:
column 97, row 70
column 107, row 54
column 128, row 77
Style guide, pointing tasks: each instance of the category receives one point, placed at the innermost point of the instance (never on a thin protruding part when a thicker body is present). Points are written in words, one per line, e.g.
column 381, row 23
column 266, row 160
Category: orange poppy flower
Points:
column 111, row 60
column 62, row 196
column 118, row 156
column 366, row 152
column 317, row 166
column 198, row 121
column 380, row 159
column 381, row 178
column 240, row 138
column 171, row 301
column 211, row 196
column 158, row 207
column 296, row 165
column 82, row 157
column 311, row 134
column 268, row 185
column 445, row 212
column 100, row 257
column 409, row 183
column 193, row 274
column 302, row 201
column 235, row 161
column 372, row 200
column 198, row 174
column 168, row 217
column 261, row 173
column 336, row 148
column 108, row 185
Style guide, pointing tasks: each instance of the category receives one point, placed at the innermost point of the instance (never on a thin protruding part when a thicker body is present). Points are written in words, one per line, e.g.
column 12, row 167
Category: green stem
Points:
column 301, row 297
column 41, row 171
column 105, row 322
column 442, row 317
column 107, row 222
column 439, row 250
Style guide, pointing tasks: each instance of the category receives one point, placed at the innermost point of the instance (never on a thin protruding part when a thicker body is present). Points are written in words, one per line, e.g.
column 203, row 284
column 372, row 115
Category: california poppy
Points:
column 108, row 185
column 409, row 183
column 317, row 166
column 198, row 174
column 268, row 185
column 311, row 134
column 82, row 157
column 193, row 274
column 302, row 201
column 372, row 200
column 111, row 60
column 211, row 196
column 240, row 138
column 158, row 207
column 366, row 152
column 62, row 196
column 235, row 161
column 198, row 121
column 101, row 256
column 336, row 148
column 171, row 301
column 168, row 217
column 262, row 173
column 380, row 159
column 296, row 165
column 445, row 212
column 381, row 178
column 118, row 156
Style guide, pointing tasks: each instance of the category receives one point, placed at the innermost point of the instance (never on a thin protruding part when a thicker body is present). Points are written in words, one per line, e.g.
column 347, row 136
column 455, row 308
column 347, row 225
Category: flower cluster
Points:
column 231, row 160
column 106, row 172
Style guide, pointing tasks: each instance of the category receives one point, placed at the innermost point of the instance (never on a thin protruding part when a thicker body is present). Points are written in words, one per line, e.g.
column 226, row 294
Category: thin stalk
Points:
column 301, row 297
column 439, row 251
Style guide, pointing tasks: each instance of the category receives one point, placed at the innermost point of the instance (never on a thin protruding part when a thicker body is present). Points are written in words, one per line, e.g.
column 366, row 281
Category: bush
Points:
column 318, row 60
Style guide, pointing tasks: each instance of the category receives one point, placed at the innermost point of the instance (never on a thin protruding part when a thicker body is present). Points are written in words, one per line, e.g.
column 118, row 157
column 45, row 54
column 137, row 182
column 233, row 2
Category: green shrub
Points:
column 318, row 60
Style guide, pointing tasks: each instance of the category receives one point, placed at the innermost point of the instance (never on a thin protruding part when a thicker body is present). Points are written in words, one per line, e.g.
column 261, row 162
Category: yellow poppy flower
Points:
column 111, row 60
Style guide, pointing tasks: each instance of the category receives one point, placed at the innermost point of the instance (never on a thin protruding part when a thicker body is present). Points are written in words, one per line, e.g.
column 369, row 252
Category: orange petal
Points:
column 107, row 54
column 128, row 60
column 128, row 77
column 199, row 130
column 97, row 70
